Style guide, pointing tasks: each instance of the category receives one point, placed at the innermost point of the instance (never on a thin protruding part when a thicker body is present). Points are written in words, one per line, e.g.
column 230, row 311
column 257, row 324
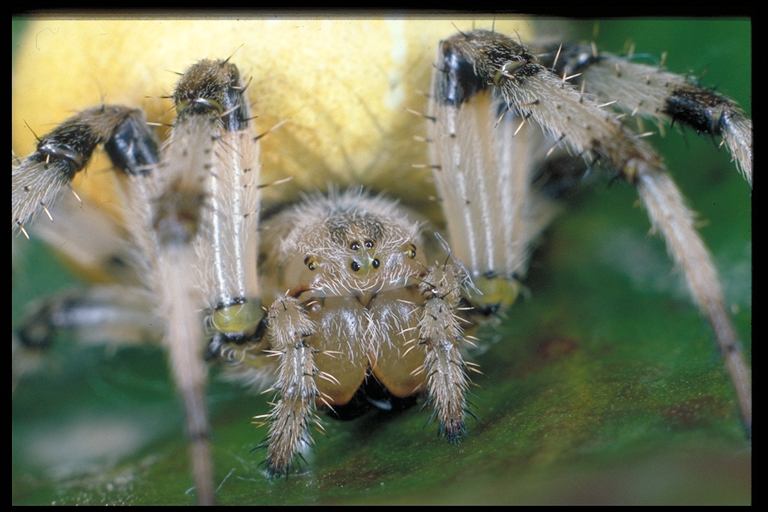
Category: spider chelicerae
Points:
column 444, row 256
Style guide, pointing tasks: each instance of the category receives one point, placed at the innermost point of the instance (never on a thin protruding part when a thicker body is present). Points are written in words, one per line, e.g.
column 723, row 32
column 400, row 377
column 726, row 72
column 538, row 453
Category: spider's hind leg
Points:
column 675, row 222
column 472, row 72
column 651, row 92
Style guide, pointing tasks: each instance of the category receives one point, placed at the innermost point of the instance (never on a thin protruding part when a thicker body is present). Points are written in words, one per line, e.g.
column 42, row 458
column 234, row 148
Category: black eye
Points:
column 310, row 262
column 355, row 246
column 355, row 266
column 369, row 244
column 410, row 251
column 375, row 263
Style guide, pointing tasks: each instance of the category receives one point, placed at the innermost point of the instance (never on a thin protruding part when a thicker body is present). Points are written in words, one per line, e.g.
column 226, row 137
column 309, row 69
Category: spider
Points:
column 405, row 195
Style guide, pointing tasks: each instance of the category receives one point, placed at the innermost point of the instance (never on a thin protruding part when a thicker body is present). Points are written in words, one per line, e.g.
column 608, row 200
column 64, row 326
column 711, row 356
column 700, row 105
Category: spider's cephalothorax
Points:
column 348, row 300
column 353, row 299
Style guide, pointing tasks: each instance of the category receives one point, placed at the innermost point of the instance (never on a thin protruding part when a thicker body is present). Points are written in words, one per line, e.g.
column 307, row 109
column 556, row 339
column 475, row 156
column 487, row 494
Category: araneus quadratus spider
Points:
column 405, row 195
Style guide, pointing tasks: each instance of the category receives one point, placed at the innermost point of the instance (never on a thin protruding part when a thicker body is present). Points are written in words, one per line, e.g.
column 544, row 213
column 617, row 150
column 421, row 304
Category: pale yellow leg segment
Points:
column 341, row 354
column 399, row 357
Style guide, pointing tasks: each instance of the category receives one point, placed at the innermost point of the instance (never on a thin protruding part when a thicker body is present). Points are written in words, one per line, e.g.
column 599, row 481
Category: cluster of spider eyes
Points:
column 312, row 263
column 355, row 247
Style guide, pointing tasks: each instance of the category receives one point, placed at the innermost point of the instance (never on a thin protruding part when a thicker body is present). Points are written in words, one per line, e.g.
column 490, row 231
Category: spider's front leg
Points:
column 325, row 346
column 323, row 356
column 441, row 334
column 195, row 224
column 289, row 328
column 191, row 215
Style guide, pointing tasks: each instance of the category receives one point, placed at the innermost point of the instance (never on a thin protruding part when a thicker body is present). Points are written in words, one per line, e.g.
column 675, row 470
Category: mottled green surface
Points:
column 604, row 387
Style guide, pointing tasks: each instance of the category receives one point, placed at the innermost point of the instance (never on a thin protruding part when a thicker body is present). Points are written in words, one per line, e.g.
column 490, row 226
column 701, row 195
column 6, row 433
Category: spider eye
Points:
column 369, row 244
column 410, row 251
column 375, row 263
column 355, row 266
column 310, row 262
column 355, row 245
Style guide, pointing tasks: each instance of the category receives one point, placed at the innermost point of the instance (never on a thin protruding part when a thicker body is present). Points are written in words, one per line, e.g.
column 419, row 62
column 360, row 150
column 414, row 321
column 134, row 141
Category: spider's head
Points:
column 361, row 259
